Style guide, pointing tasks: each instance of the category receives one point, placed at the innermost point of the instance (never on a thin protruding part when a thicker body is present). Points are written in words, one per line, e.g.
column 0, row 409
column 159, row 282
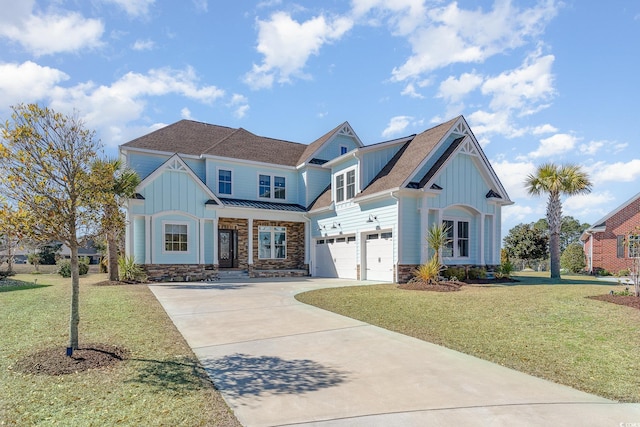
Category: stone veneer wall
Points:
column 405, row 272
column 242, row 227
column 295, row 247
column 180, row 272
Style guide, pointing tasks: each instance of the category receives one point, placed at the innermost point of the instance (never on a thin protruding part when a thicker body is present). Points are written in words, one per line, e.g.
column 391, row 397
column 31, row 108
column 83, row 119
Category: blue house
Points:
column 215, row 201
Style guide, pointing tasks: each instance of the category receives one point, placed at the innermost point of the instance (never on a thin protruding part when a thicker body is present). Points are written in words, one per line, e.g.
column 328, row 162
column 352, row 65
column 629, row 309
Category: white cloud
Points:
column 542, row 129
column 516, row 213
column 287, row 45
column 27, row 82
column 134, row 7
column 410, row 91
column 486, row 123
column 520, row 89
column 201, row 5
column 592, row 147
column 601, row 172
column 512, row 176
column 45, row 34
column 143, row 45
column 465, row 36
column 240, row 103
column 396, row 126
column 404, row 16
column 453, row 90
column 584, row 202
column 185, row 113
column 559, row 143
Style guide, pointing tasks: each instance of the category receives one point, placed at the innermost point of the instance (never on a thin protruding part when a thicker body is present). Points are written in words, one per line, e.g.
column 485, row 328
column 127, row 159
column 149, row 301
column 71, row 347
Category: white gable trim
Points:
column 344, row 129
column 175, row 163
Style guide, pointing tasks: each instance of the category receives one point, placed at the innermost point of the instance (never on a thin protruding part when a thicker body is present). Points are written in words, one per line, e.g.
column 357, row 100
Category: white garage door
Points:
column 336, row 257
column 379, row 256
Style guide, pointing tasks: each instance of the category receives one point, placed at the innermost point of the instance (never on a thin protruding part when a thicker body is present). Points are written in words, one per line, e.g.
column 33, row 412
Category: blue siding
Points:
column 175, row 191
column 198, row 167
column 162, row 257
column 373, row 162
column 139, row 240
column 410, row 232
column 462, row 183
column 144, row 164
column 331, row 149
column 434, row 157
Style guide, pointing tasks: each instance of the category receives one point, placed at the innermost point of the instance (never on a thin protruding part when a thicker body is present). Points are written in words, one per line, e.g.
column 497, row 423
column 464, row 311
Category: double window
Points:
column 457, row 239
column 345, row 186
column 633, row 246
column 224, row 181
column 272, row 187
column 176, row 238
column 272, row 242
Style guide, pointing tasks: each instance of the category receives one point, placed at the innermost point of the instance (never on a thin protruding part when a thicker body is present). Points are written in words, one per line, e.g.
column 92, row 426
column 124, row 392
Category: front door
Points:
column 226, row 248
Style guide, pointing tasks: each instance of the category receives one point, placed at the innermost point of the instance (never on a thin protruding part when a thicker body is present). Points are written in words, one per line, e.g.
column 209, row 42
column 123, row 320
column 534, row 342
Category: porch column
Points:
column 250, row 242
column 201, row 256
column 147, row 240
column 215, row 241
column 482, row 215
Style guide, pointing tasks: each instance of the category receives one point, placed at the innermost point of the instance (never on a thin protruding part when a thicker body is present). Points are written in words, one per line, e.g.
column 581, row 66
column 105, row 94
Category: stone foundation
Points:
column 180, row 272
column 405, row 272
column 259, row 273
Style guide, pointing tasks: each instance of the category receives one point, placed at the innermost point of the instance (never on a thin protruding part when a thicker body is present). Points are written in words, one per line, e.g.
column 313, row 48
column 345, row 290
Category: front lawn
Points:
column 542, row 327
column 159, row 383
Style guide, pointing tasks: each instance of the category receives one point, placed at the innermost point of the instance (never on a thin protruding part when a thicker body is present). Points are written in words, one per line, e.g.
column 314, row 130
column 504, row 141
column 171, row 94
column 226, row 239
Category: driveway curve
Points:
column 278, row 362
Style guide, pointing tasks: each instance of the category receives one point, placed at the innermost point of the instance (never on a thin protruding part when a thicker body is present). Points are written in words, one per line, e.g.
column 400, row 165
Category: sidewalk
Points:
column 279, row 362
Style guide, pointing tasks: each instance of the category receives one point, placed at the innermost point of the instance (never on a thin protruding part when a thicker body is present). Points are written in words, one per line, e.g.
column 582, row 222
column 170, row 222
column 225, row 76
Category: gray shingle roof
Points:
column 196, row 138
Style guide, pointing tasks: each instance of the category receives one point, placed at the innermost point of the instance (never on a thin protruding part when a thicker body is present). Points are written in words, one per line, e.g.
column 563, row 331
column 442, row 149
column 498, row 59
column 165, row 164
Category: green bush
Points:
column 454, row 273
column 64, row 267
column 573, row 258
column 623, row 273
column 504, row 270
column 476, row 273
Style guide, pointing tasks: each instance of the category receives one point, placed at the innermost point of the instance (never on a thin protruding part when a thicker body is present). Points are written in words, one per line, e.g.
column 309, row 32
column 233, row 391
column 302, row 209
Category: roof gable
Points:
column 601, row 224
column 175, row 163
column 310, row 153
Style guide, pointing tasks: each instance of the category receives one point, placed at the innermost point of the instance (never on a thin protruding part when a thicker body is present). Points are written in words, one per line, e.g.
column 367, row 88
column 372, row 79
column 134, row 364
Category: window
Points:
column 634, row 246
column 176, row 238
column 343, row 150
column 619, row 246
column 339, row 188
column 266, row 190
column 279, row 184
column 264, row 186
column 345, row 190
column 351, row 184
column 224, row 181
column 458, row 239
column 272, row 242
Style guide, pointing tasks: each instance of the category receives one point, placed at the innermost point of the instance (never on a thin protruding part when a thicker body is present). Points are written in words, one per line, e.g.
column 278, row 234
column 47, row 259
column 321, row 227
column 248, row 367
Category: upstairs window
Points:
column 224, row 181
column 343, row 150
column 345, row 184
column 272, row 187
column 340, row 188
column 264, row 189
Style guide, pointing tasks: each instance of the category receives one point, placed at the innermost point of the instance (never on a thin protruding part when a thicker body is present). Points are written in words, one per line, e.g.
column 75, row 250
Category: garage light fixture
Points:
column 335, row 225
column 372, row 218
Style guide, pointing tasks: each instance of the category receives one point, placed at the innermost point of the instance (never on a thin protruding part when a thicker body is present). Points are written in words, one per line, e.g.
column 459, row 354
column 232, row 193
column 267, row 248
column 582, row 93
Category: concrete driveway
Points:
column 280, row 362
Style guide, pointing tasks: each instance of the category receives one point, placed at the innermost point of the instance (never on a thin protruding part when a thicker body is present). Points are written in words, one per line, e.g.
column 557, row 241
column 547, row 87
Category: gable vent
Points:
column 175, row 165
column 346, row 130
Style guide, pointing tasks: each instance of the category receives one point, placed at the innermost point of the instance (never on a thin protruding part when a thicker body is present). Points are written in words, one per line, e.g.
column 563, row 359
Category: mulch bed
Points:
column 450, row 285
column 54, row 361
column 627, row 300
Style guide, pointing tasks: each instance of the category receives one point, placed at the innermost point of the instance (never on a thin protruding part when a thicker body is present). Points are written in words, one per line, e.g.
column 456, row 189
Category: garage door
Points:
column 336, row 257
column 379, row 256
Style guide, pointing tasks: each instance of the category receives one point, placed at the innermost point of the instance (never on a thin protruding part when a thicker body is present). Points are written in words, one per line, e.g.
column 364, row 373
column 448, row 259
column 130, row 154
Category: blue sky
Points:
column 537, row 81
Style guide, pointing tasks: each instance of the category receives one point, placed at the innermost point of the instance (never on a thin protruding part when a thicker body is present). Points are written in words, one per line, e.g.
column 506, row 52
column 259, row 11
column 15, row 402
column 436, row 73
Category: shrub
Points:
column 64, row 267
column 504, row 270
column 130, row 271
column 454, row 273
column 476, row 273
column 623, row 272
column 573, row 258
column 430, row 271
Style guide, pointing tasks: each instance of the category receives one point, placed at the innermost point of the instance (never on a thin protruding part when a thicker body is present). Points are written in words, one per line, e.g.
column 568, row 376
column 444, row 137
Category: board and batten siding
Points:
column 462, row 184
column 175, row 191
column 139, row 239
column 373, row 162
column 315, row 181
column 331, row 149
column 410, row 231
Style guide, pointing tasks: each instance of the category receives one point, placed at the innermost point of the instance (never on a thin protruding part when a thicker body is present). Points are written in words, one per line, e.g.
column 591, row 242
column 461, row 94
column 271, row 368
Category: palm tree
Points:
column 122, row 183
column 557, row 180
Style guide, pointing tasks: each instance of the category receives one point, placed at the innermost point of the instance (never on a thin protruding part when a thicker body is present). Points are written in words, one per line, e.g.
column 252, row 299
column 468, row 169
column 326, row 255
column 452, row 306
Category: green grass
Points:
column 542, row 327
column 161, row 383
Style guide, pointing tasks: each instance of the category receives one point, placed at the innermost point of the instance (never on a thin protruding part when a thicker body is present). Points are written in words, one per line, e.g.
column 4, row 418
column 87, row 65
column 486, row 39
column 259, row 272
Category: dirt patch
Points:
column 627, row 300
column 448, row 286
column 54, row 361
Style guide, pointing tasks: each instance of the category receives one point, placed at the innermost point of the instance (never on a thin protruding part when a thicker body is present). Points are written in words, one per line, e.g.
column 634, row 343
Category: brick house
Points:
column 604, row 242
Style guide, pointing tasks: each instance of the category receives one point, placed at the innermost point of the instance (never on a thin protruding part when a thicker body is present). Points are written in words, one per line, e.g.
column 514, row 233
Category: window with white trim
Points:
column 345, row 184
column 634, row 246
column 224, row 181
column 458, row 239
column 272, row 242
column 272, row 187
column 176, row 237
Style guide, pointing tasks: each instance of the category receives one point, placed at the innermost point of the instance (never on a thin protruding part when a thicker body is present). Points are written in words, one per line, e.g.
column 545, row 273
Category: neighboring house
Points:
column 214, row 198
column 604, row 242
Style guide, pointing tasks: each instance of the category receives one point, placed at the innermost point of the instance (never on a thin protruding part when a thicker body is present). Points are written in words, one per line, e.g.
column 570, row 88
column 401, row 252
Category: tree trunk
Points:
column 75, row 298
column 112, row 250
column 554, row 217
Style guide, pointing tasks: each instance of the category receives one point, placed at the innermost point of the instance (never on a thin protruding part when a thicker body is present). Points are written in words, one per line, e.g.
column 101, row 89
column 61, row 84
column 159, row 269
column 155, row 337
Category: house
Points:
column 215, row 199
column 604, row 242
